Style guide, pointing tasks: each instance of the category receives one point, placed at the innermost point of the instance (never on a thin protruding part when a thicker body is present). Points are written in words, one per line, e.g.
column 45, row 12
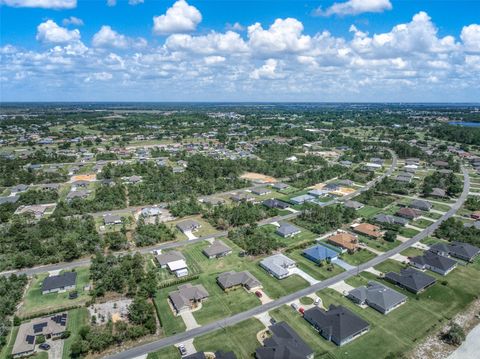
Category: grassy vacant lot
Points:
column 240, row 338
column 368, row 212
column 38, row 303
column 422, row 223
column 359, row 257
column 378, row 244
column 76, row 319
column 408, row 232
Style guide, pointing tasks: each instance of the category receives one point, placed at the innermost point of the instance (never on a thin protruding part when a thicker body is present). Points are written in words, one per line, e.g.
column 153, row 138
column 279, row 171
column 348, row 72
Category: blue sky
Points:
column 269, row 50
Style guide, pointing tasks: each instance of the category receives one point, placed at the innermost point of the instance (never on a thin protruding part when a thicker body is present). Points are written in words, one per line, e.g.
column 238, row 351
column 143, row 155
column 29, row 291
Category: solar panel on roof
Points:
column 30, row 339
column 38, row 328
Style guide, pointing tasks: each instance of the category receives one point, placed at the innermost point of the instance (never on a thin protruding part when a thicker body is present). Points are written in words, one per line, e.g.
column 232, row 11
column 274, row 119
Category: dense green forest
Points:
column 25, row 244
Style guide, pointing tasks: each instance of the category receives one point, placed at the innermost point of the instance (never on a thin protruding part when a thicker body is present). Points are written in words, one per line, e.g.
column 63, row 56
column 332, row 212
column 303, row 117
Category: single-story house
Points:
column 49, row 327
column 408, row 213
column 287, row 230
column 167, row 257
column 320, row 253
column 372, row 166
column 261, row 191
column 378, row 296
column 338, row 325
column 189, row 225
column 368, row 229
column 440, row 164
column 389, row 219
column 463, row 251
column 36, row 210
column 275, row 203
column 411, row 279
column 421, row 205
column 438, row 192
column 284, row 343
column 178, row 267
column 318, row 192
column 280, row 186
column 435, row 262
column 19, row 188
column 344, row 240
column 278, row 265
column 230, row 280
column 59, row 283
column 354, row 204
column 153, row 211
column 112, row 219
column 80, row 184
column 187, row 297
column 302, row 199
column 217, row 249
column 242, row 197
column 475, row 225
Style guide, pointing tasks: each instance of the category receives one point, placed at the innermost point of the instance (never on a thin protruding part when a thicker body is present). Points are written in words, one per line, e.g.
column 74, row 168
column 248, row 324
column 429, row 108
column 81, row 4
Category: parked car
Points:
column 301, row 310
column 259, row 294
column 294, row 306
column 44, row 346
column 73, row 295
column 317, row 301
column 182, row 349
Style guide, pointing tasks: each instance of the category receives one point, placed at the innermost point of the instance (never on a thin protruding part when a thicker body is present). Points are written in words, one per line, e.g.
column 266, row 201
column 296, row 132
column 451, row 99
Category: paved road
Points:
column 220, row 324
column 86, row 261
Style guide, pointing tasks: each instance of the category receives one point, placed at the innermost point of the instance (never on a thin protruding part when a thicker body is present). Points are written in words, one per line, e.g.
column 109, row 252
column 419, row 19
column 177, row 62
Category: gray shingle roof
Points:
column 217, row 248
column 186, row 294
column 378, row 296
column 338, row 323
column 188, row 225
column 411, row 279
column 167, row 257
column 66, row 279
column 232, row 279
column 287, row 229
column 434, row 260
column 284, row 343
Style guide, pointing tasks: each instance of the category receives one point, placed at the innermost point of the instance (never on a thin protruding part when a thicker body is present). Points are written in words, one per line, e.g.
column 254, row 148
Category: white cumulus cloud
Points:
column 354, row 7
column 44, row 4
column 284, row 35
column 108, row 38
column 50, row 32
column 267, row 71
column 179, row 18
column 471, row 37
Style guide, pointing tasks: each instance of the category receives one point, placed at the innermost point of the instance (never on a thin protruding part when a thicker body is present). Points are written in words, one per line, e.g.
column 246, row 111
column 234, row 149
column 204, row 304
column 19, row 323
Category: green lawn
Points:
column 38, row 303
column 240, row 338
column 368, row 211
column 169, row 322
column 408, row 232
column 378, row 244
column 317, row 272
column 7, row 349
column 359, row 257
column 170, row 352
column 422, row 223
column 412, row 252
column 222, row 304
column 440, row 207
column 76, row 319
column 389, row 266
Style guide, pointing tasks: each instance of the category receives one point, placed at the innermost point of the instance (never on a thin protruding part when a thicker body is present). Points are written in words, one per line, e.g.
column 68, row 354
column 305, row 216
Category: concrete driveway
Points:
column 190, row 235
column 189, row 320
column 342, row 264
column 304, row 275
column 342, row 287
